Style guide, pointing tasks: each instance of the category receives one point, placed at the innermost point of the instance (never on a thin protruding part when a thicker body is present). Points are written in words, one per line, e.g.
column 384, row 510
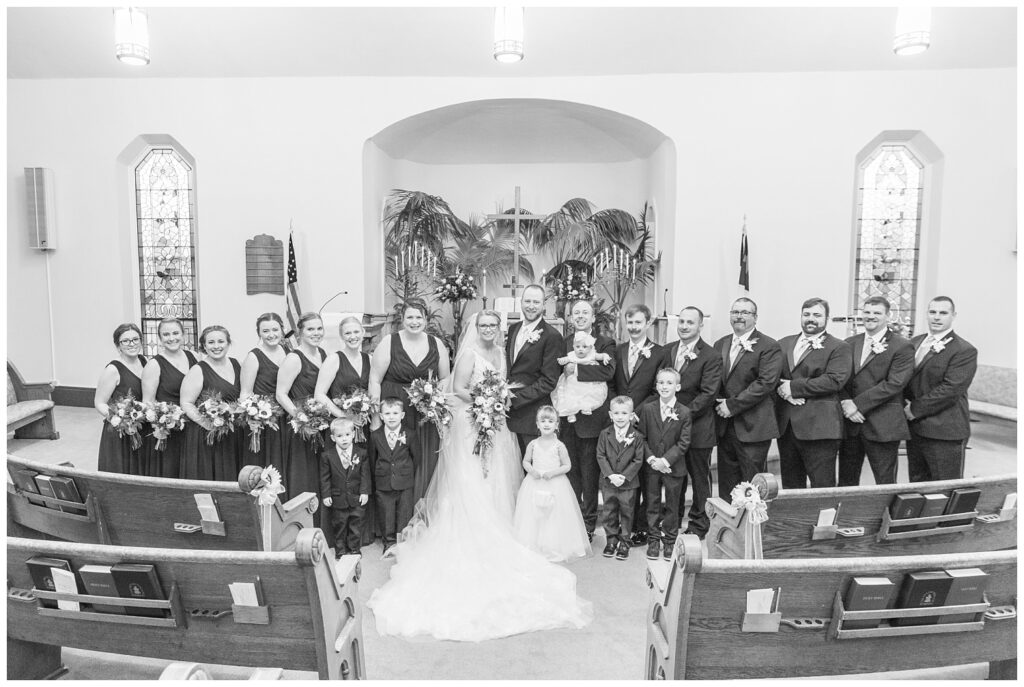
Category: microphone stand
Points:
column 340, row 293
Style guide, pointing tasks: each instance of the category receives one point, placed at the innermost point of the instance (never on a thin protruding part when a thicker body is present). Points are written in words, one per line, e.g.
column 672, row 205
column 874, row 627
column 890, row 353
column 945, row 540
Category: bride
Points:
column 460, row 574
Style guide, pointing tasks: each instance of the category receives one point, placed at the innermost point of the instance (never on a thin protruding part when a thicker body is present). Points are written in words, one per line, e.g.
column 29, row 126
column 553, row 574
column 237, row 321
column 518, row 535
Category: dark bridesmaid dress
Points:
column 301, row 469
column 400, row 373
column 167, row 461
column 223, row 460
column 116, row 453
column 344, row 381
column 270, row 452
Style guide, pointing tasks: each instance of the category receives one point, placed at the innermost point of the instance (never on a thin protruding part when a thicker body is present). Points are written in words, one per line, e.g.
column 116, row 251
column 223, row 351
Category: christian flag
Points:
column 291, row 296
column 744, row 259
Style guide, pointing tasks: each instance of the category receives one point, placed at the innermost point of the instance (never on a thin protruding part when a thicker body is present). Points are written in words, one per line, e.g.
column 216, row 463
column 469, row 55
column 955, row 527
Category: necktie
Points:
column 392, row 439
column 346, row 461
column 734, row 352
column 634, row 357
column 800, row 348
column 923, row 350
column 868, row 341
column 620, row 436
column 681, row 356
column 665, row 412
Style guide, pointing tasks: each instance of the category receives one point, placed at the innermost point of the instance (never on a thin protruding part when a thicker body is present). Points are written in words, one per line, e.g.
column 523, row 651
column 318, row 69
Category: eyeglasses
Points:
column 130, row 342
column 741, row 313
column 487, row 326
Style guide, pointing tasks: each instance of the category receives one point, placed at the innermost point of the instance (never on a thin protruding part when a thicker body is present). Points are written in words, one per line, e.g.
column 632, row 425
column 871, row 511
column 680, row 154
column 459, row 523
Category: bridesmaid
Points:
column 120, row 378
column 398, row 360
column 296, row 382
column 349, row 368
column 161, row 381
column 259, row 376
column 215, row 373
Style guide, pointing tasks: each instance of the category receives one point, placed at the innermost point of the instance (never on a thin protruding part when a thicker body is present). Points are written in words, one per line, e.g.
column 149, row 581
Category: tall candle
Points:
column 483, row 291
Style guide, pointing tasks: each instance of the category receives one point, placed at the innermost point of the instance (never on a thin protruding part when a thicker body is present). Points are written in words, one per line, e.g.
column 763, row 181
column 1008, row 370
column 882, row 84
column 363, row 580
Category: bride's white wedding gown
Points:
column 462, row 575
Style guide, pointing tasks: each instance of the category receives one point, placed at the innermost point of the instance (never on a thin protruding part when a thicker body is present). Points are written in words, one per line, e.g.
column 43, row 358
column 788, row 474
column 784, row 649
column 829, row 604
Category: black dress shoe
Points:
column 667, row 552
column 653, row 549
column 695, row 533
column 609, row 550
column 638, row 538
column 623, row 551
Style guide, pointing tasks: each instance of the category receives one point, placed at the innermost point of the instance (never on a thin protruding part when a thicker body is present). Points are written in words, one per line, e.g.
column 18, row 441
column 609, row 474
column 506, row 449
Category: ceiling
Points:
column 77, row 42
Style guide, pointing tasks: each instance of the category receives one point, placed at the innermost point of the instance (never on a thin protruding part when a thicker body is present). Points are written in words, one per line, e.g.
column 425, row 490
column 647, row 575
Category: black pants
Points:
column 803, row 459
column 640, row 502
column 881, row 456
column 584, row 473
column 698, row 469
column 738, row 461
column 347, row 524
column 394, row 510
column 617, row 512
column 670, row 514
column 935, row 459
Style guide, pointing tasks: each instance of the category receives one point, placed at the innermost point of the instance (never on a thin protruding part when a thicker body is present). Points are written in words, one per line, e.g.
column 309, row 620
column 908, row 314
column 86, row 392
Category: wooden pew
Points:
column 179, row 670
column 697, row 617
column 128, row 510
column 310, row 620
column 791, row 532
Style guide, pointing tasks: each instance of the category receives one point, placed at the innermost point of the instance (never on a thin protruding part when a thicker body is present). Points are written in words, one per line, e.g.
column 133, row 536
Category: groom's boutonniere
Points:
column 878, row 347
column 533, row 337
column 817, row 344
column 939, row 346
column 748, row 344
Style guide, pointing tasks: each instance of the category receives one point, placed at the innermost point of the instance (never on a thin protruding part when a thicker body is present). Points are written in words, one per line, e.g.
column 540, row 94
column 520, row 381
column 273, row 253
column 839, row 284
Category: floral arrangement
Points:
column 573, row 287
column 456, row 287
column 269, row 487
column 490, row 397
column 165, row 418
column 357, row 404
column 746, row 496
column 125, row 416
column 219, row 413
column 258, row 412
column 428, row 400
column 310, row 419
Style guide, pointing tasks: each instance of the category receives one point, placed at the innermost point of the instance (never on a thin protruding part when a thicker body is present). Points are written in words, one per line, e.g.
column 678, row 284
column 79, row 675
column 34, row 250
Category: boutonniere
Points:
column 691, row 355
column 628, row 441
column 878, row 347
column 748, row 344
column 671, row 415
column 817, row 344
column 939, row 346
column 400, row 439
column 646, row 351
column 533, row 337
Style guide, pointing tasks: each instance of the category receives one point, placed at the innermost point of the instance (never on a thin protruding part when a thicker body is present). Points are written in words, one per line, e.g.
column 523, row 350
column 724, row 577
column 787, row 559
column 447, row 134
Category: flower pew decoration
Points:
column 125, row 416
column 456, row 287
column 269, row 486
column 310, row 420
column 357, row 405
column 428, row 399
column 490, row 397
column 219, row 413
column 165, row 418
column 745, row 496
column 258, row 412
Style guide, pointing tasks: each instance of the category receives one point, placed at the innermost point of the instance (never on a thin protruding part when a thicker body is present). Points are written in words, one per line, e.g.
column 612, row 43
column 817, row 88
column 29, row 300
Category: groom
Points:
column 532, row 349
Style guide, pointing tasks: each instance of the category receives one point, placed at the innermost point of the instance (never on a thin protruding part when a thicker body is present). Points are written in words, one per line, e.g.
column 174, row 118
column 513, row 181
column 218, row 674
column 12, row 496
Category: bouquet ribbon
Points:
column 746, row 497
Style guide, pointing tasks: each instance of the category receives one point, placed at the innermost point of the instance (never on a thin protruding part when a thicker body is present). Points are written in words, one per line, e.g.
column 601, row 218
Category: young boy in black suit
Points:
column 620, row 454
column 665, row 426
column 345, row 486
column 392, row 459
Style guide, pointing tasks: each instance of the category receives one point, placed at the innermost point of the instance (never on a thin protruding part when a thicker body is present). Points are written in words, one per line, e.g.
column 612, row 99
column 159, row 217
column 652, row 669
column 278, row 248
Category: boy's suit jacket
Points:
column 817, row 377
column 344, row 486
column 392, row 469
column 590, row 426
column 749, row 388
column 938, row 390
column 699, row 383
column 637, row 384
column 537, row 369
column 876, row 388
column 668, row 440
column 621, row 459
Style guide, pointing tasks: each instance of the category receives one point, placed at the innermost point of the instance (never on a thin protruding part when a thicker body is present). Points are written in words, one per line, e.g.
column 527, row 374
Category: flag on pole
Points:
column 744, row 258
column 294, row 310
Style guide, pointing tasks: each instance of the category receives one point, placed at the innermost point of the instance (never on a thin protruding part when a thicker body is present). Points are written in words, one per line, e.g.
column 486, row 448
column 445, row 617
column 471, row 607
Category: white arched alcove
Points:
column 474, row 154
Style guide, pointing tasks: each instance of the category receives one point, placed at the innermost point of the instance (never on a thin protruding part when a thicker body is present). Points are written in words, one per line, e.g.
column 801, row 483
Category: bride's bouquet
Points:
column 165, row 417
column 258, row 412
column 491, row 397
column 357, row 405
column 125, row 416
column 219, row 413
column 311, row 418
column 430, row 402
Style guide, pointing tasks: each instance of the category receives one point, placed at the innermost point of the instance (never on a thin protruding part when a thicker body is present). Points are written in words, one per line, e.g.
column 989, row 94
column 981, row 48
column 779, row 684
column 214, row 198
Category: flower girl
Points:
column 547, row 517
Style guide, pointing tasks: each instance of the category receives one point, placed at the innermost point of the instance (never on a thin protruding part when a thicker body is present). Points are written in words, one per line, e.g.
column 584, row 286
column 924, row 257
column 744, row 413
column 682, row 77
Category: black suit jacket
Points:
column 876, row 388
column 589, row 426
column 623, row 459
column 536, row 368
column 938, row 390
column 669, row 440
column 817, row 377
column 749, row 388
column 699, row 382
column 392, row 469
column 344, row 486
column 639, row 386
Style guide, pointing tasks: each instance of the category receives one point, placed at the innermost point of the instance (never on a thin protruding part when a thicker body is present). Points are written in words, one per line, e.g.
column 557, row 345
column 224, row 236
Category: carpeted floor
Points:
column 611, row 647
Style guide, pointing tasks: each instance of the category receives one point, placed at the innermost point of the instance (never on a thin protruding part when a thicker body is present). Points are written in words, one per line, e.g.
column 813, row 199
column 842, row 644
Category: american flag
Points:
column 291, row 296
column 744, row 258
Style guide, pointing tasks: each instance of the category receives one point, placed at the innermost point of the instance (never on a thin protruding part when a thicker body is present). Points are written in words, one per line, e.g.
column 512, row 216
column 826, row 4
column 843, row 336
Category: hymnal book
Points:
column 934, row 504
column 968, row 587
column 46, row 489
column 26, row 482
column 923, row 590
column 247, row 593
column 868, row 594
column 138, row 581
column 99, row 581
column 66, row 490
column 905, row 506
column 41, row 569
column 962, row 500
column 64, row 581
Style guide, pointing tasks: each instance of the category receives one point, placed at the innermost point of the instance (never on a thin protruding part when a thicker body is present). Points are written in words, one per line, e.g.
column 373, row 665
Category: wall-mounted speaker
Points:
column 42, row 213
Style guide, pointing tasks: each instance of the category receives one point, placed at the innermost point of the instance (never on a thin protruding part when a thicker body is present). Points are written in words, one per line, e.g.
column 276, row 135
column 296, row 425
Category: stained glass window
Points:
column 167, row 254
column 889, row 231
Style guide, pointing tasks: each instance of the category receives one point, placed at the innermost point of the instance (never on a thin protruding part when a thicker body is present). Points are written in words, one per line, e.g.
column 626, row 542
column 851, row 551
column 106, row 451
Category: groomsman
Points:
column 580, row 437
column 636, row 364
column 936, row 397
column 815, row 366
column 746, row 423
column 532, row 350
column 872, row 400
column 700, row 377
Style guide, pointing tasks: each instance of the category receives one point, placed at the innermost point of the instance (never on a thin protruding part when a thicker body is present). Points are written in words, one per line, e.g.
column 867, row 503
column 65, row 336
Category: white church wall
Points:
column 776, row 147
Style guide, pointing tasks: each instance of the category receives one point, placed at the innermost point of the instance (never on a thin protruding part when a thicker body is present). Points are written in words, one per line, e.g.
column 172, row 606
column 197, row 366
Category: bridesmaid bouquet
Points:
column 219, row 413
column 311, row 418
column 430, row 402
column 125, row 417
column 258, row 412
column 357, row 405
column 165, row 417
column 491, row 398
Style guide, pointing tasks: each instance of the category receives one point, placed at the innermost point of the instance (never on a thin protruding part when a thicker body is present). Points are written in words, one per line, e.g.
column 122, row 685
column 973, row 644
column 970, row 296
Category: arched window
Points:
column 165, row 216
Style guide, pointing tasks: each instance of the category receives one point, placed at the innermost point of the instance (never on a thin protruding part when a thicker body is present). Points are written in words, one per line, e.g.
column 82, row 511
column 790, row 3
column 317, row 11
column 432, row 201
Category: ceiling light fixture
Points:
column 508, row 34
column 131, row 35
column 913, row 30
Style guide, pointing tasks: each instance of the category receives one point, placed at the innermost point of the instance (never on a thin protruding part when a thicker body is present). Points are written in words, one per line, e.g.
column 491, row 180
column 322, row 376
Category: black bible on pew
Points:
column 40, row 567
column 923, row 590
column 961, row 501
column 138, row 581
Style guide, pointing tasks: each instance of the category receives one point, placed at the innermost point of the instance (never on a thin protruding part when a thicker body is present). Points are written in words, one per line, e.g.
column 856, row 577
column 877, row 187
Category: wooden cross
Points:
column 514, row 286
